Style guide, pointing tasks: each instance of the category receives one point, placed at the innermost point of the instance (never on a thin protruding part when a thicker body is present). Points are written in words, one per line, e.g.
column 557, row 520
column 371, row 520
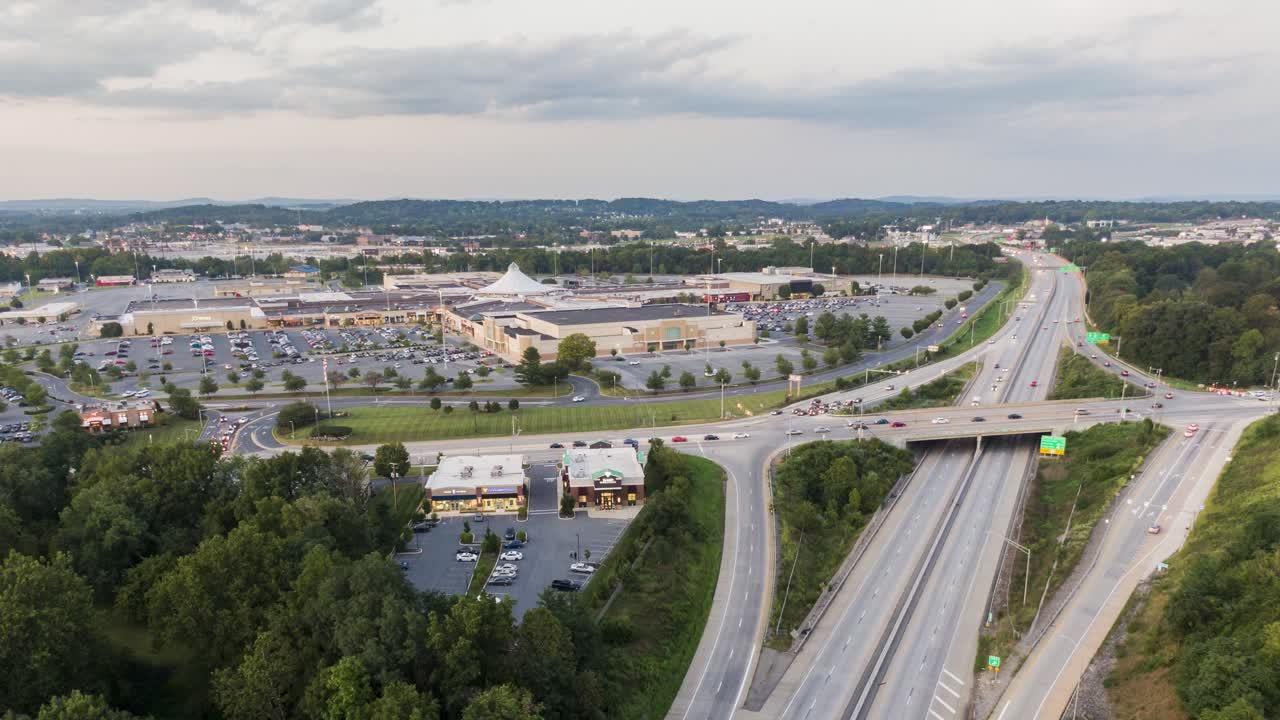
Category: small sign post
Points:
column 993, row 662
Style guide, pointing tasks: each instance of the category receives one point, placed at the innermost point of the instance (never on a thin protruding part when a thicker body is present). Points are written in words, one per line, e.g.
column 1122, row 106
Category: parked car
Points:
column 509, row 534
column 466, row 557
column 511, row 556
column 501, row 580
column 581, row 567
column 566, row 585
column 512, row 545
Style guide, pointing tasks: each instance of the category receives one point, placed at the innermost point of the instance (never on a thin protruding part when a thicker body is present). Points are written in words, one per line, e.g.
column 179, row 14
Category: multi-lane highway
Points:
column 899, row 637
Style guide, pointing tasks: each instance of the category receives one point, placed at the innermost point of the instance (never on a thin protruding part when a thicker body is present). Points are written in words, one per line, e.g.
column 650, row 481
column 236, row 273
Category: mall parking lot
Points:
column 547, row 555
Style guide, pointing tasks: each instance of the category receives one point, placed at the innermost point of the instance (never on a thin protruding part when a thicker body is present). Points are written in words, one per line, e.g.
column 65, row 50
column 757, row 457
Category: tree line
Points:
column 172, row 581
column 1207, row 313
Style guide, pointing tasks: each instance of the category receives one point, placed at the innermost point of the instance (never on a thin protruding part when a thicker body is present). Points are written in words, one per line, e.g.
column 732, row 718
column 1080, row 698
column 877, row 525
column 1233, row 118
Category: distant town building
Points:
column 302, row 271
column 173, row 276
column 114, row 280
column 55, row 285
column 8, row 290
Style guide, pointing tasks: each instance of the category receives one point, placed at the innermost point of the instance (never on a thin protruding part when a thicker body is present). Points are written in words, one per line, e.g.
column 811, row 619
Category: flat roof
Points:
column 141, row 306
column 468, row 472
column 623, row 314
column 587, row 465
column 48, row 310
column 761, row 278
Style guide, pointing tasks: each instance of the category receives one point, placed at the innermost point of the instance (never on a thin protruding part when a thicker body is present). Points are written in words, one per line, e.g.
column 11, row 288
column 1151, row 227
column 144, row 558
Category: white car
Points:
column 822, row 429
column 633, row 362
column 466, row 557
column 793, row 431
column 579, row 567
column 741, row 436
column 511, row 555
column 579, row 398
column 941, row 421
column 506, row 568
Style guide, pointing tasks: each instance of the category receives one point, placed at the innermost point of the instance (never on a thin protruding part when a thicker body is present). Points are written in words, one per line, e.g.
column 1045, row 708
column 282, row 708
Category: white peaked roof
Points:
column 515, row 282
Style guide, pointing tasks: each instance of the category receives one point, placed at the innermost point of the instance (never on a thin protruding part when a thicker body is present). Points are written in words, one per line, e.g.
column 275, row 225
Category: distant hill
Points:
column 89, row 205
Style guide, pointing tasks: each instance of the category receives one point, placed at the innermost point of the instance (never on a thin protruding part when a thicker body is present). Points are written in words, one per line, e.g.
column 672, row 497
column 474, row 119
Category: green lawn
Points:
column 1079, row 378
column 399, row 423
column 1079, row 486
column 653, row 627
column 171, row 429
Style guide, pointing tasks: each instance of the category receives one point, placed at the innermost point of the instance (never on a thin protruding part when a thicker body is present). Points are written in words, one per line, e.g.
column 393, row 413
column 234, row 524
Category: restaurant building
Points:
column 604, row 478
column 478, row 483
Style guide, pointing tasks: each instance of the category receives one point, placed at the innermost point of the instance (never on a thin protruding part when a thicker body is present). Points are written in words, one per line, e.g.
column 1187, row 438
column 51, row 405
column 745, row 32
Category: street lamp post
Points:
column 895, row 263
column 77, row 272
column 1027, row 575
column 880, row 268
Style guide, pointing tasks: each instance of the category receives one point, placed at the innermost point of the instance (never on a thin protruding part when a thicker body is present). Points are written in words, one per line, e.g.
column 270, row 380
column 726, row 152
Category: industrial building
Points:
column 173, row 276
column 625, row 329
column 767, row 285
column 605, row 478
column 477, row 483
column 55, row 285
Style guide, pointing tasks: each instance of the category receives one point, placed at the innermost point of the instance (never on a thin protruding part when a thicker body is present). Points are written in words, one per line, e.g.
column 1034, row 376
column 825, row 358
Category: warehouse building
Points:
column 180, row 317
column 173, row 276
column 767, row 285
column 477, row 483
column 625, row 329
column 55, row 285
column 114, row 280
column 604, row 478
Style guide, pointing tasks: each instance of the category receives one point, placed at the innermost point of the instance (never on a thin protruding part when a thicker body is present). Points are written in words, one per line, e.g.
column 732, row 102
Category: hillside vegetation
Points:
column 1079, row 378
column 1205, row 640
column 1210, row 314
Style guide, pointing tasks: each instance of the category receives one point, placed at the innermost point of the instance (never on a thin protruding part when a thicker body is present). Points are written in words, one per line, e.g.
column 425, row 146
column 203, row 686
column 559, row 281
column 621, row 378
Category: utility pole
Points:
column 895, row 263
column 880, row 270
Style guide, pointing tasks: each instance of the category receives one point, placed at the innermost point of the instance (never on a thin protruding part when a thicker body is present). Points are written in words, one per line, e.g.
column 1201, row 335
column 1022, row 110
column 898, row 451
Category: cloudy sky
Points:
column 161, row 99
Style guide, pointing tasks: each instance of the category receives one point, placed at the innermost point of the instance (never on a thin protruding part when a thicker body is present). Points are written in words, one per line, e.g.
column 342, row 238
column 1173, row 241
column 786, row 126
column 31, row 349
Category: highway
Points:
column 899, row 638
column 838, row 671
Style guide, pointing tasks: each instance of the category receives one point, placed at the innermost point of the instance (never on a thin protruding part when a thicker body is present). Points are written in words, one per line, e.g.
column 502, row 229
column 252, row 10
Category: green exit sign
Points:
column 1053, row 445
column 1070, row 268
column 1097, row 337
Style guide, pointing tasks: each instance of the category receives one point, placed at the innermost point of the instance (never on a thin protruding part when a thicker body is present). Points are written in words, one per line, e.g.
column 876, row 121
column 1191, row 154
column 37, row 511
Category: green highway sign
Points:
column 993, row 661
column 1053, row 445
column 1097, row 337
column 1070, row 268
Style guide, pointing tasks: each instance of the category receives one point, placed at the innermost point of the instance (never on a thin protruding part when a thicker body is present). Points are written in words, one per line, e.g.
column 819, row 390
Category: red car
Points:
column 1124, row 373
column 679, row 438
column 1035, row 383
column 898, row 423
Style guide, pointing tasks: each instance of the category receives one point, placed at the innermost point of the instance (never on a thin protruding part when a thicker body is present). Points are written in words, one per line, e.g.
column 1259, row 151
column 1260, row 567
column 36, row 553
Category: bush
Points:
column 521, row 535
column 950, row 303
column 300, row 414
column 465, row 537
column 111, row 330
column 331, row 432
column 907, row 332
column 964, row 295
column 491, row 542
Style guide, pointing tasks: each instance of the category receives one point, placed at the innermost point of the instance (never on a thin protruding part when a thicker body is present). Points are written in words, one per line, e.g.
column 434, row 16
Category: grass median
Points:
column 942, row 392
column 665, row 570
column 1066, row 500
column 1079, row 378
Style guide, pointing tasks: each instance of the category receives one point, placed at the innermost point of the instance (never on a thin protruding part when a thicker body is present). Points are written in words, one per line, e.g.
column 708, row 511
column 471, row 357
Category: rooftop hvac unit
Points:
column 495, row 471
column 467, row 470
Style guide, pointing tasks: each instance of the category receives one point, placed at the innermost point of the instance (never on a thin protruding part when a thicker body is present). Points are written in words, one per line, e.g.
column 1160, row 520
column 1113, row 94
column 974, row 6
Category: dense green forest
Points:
column 549, row 219
column 1205, row 641
column 168, row 581
column 1200, row 312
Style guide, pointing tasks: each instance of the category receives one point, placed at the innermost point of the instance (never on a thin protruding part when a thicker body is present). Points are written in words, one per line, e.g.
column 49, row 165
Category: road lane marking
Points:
column 944, row 686
column 943, row 703
column 935, row 714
